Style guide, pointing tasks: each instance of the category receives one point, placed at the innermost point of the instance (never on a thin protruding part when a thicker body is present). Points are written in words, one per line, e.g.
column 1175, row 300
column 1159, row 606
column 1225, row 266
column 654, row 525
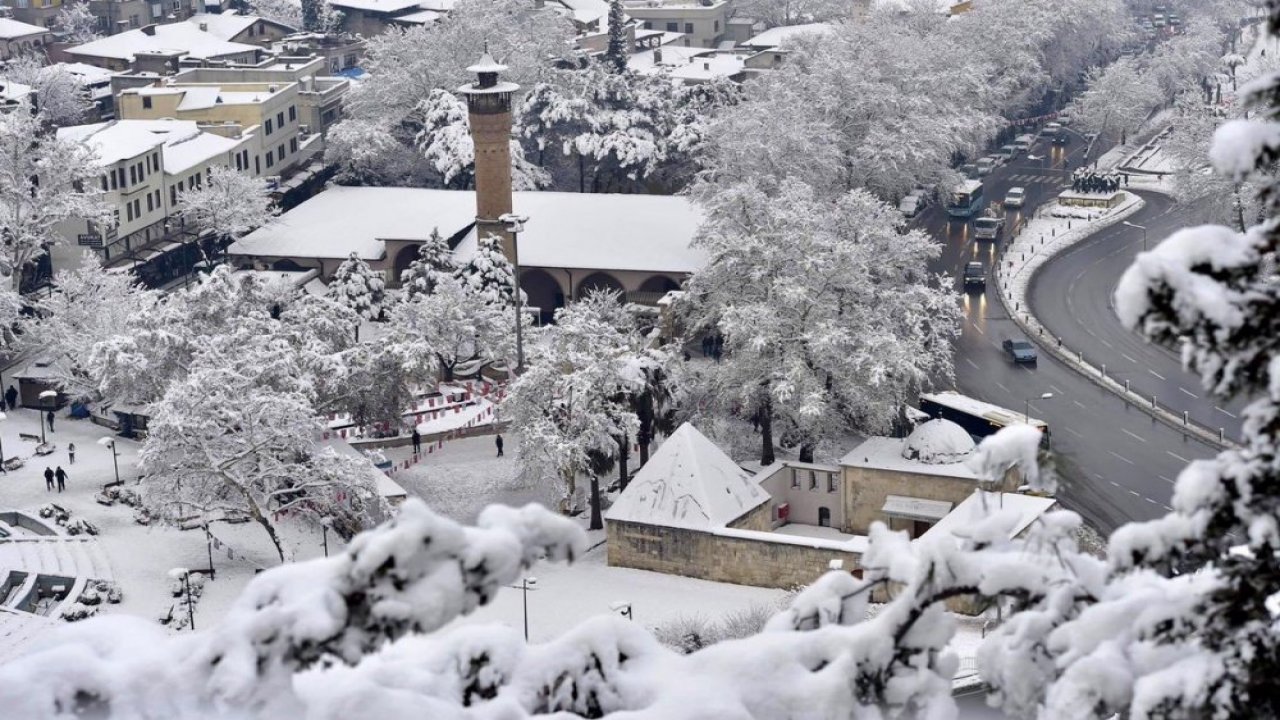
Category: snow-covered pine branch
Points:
column 227, row 206
column 359, row 287
column 435, row 260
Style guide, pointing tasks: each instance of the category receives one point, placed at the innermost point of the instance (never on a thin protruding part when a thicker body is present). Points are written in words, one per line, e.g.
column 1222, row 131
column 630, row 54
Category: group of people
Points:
column 1092, row 182
column 713, row 346
column 50, row 475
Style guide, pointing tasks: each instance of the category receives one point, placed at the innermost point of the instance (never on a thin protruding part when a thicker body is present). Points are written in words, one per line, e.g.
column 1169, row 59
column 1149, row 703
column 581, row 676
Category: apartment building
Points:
column 117, row 16
column 704, row 23
column 267, row 112
column 320, row 97
column 169, row 43
column 17, row 38
column 41, row 13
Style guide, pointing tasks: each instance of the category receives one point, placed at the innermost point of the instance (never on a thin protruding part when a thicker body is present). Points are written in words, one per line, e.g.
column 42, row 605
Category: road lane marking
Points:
column 1166, row 507
column 974, row 364
column 1121, row 456
column 1176, row 455
column 1073, row 432
column 1153, row 502
column 1133, row 493
column 1224, row 412
column 1104, row 342
column 1153, row 372
column 1002, row 387
column 1126, row 357
column 1132, row 435
column 1166, row 479
column 1080, row 404
column 1113, row 482
column 1190, row 393
column 975, row 327
column 1055, row 388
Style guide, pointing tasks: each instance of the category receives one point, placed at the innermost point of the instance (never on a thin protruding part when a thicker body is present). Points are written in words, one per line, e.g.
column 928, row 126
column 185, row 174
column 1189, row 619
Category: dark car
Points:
column 975, row 275
column 1020, row 351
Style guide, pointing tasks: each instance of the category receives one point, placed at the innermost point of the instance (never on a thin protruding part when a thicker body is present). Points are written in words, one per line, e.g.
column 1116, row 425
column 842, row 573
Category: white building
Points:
column 172, row 43
column 17, row 38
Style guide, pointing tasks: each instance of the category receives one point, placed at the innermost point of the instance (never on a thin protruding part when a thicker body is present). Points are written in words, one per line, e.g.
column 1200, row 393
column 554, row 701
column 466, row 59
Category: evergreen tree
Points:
column 488, row 275
column 617, row 53
column 358, row 287
column 435, row 259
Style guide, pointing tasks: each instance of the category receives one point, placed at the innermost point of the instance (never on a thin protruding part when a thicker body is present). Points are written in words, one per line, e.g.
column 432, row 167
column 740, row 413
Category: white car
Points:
column 1015, row 198
column 911, row 205
column 986, row 165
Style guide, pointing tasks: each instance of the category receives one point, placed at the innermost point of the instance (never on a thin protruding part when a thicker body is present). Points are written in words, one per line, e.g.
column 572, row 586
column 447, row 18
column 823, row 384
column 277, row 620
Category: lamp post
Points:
column 526, row 584
column 1027, row 408
column 3, row 469
column 623, row 608
column 515, row 225
column 1138, row 227
column 45, row 397
column 110, row 442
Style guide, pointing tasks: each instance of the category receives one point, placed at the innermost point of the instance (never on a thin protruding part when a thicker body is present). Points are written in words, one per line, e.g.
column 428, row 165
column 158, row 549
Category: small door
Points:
column 824, row 517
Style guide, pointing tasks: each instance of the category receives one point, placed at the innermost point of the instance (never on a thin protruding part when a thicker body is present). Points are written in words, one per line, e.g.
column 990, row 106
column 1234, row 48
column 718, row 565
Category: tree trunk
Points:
column 271, row 531
column 806, row 452
column 446, row 368
column 597, row 521
column 644, row 436
column 624, row 453
column 766, row 433
column 570, row 489
column 582, row 174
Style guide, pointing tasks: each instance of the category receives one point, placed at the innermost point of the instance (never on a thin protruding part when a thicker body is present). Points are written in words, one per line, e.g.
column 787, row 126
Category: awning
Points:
column 915, row 508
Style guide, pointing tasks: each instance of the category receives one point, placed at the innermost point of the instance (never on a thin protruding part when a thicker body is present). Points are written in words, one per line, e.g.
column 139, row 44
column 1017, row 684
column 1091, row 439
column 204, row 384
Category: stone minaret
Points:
column 489, row 107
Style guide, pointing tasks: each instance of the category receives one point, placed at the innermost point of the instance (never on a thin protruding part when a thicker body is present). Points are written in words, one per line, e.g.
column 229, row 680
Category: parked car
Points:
column 1020, row 351
column 970, row 171
column 986, row 165
column 911, row 205
column 1015, row 198
column 975, row 275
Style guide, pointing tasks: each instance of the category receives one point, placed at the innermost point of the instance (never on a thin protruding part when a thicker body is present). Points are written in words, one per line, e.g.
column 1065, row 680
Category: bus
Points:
column 978, row 418
column 965, row 200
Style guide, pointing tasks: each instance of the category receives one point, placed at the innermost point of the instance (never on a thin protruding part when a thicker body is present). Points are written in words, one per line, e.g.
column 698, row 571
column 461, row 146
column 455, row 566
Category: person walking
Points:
column 417, row 441
column 497, row 440
column 49, row 417
column 71, row 453
column 62, row 478
column 48, row 478
column 11, row 397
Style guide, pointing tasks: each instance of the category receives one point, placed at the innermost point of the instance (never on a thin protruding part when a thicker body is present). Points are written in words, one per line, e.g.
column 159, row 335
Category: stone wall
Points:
column 696, row 554
column 867, row 488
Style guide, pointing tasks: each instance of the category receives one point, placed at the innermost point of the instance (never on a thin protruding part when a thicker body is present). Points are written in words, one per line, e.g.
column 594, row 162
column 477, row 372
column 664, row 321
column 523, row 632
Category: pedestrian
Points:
column 71, row 453
column 49, row 418
column 48, row 478
column 417, row 441
column 11, row 397
column 62, row 478
column 497, row 440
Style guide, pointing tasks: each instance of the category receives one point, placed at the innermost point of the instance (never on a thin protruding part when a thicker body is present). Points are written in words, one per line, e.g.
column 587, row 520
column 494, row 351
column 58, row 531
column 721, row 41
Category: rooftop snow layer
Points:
column 688, row 483
column 14, row 29
column 378, row 6
column 885, row 453
column 779, row 36
column 179, row 37
column 118, row 140
column 228, row 25
column 976, row 506
column 938, row 442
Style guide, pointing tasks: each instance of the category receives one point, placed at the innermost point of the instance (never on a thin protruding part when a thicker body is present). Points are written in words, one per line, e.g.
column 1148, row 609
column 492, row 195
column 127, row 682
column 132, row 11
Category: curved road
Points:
column 1116, row 462
column 1072, row 297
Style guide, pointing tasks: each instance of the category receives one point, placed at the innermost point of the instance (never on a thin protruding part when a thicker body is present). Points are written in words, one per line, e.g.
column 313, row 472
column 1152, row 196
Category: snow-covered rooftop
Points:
column 688, row 483
column 175, row 37
column 565, row 230
column 671, row 56
column 779, row 36
column 973, row 406
column 12, row 92
column 1027, row 507
column 707, row 68
column 184, row 144
column 228, row 25
column 10, row 29
column 938, row 442
column 86, row 74
column 885, row 453
column 422, row 17
column 378, row 6
column 182, row 154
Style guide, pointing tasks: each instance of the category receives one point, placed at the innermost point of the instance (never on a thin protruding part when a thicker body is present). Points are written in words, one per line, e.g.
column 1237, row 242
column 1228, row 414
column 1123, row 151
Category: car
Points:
column 996, row 158
column 911, row 205
column 1024, row 142
column 1008, row 153
column 1020, row 351
column 975, row 275
column 970, row 171
column 1016, row 197
column 986, row 165
column 987, row 228
column 1062, row 138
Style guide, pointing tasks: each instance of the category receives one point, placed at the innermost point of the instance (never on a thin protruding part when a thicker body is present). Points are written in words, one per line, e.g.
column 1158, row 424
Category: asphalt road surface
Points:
column 1116, row 463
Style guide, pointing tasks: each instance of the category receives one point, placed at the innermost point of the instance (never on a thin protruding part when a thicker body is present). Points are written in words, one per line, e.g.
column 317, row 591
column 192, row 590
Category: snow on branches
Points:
column 229, row 205
column 359, row 287
column 435, row 260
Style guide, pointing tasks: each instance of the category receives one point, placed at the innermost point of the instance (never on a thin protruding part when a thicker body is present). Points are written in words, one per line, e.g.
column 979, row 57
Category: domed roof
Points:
column 938, row 442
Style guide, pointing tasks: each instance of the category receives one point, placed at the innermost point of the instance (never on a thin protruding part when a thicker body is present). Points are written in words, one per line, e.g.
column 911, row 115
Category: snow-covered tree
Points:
column 77, row 24
column 230, row 439
column 44, row 181
column 359, row 287
column 830, row 321
column 88, row 305
column 569, row 404
column 59, row 95
column 445, row 139
column 792, row 12
column 317, row 16
column 454, row 325
column 617, row 52
column 230, row 204
column 488, row 275
column 435, row 260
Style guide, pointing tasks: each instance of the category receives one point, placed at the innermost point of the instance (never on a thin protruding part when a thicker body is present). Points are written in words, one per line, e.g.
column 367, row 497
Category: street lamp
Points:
column 111, row 443
column 1027, row 409
column 623, row 608
column 515, row 225
column 45, row 396
column 526, row 584
column 1138, row 227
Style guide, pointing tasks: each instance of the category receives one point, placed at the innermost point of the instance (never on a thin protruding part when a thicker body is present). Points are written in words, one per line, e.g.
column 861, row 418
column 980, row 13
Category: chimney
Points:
column 149, row 30
column 489, row 109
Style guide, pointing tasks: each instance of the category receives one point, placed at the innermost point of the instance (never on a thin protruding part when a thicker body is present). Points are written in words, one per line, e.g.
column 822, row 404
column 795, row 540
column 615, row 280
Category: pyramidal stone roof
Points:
column 688, row 483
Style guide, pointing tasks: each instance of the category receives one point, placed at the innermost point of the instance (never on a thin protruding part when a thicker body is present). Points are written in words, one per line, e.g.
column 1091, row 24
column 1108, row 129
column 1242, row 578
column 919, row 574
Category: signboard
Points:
column 90, row 239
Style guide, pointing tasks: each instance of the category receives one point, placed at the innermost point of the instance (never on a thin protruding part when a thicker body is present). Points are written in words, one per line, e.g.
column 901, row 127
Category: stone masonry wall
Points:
column 867, row 488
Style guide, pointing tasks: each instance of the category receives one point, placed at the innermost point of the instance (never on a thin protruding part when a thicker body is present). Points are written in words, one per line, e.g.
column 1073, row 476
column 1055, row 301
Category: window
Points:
column 173, row 196
column 795, row 479
column 293, row 113
column 151, row 203
column 716, row 25
column 648, row 24
column 133, row 175
column 688, row 28
column 831, row 482
column 104, row 183
column 673, row 27
column 280, row 152
column 181, row 187
column 257, row 166
column 293, row 145
column 133, row 21
column 280, row 119
column 268, row 126
column 120, row 172
column 270, row 160
column 137, row 208
column 128, row 212
column 813, row 480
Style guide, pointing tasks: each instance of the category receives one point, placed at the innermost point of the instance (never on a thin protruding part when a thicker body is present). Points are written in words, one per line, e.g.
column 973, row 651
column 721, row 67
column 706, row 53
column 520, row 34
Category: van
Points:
column 987, row 228
column 1024, row 142
column 1051, row 130
column 1008, row 153
column 985, row 166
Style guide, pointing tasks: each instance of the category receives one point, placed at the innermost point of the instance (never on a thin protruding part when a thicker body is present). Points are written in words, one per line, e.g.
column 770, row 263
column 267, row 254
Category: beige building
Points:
column 17, row 38
column 320, row 96
column 692, row 511
column 267, row 113
column 704, row 23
